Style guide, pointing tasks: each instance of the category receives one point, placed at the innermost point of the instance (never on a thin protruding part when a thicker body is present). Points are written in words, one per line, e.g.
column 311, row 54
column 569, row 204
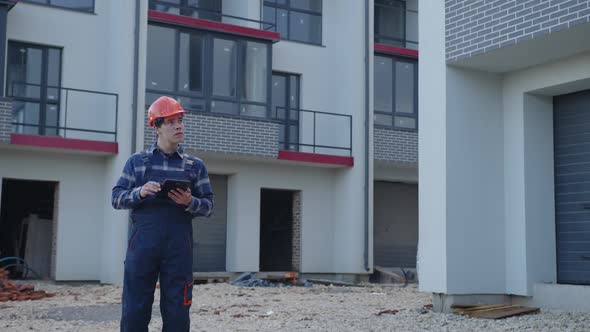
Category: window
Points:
column 207, row 71
column 205, row 9
column 396, row 23
column 396, row 92
column 79, row 5
column 297, row 20
column 33, row 79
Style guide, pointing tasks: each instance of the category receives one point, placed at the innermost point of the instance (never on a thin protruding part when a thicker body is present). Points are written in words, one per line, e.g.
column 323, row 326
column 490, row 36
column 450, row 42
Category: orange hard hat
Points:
column 163, row 107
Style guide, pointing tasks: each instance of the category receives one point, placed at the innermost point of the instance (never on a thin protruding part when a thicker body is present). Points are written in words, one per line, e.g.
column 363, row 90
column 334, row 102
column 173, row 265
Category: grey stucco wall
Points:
column 477, row 26
column 5, row 120
column 395, row 145
column 228, row 135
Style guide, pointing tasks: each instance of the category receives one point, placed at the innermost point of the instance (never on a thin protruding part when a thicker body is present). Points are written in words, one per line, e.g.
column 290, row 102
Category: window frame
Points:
column 287, row 7
column 393, row 114
column 382, row 38
column 47, row 3
column 44, row 86
column 184, row 6
column 285, row 141
column 206, row 95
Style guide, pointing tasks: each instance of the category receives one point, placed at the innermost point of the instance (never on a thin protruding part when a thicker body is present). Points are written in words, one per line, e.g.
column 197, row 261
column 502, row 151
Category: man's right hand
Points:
column 149, row 188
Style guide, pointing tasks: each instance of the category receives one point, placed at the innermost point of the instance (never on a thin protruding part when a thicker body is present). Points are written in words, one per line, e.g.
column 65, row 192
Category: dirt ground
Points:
column 223, row 307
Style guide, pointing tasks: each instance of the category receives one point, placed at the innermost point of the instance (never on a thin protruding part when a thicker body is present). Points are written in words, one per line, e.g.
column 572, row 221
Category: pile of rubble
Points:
column 10, row 291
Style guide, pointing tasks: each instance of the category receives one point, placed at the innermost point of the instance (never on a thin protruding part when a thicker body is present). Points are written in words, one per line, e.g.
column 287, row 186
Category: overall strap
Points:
column 147, row 163
column 191, row 167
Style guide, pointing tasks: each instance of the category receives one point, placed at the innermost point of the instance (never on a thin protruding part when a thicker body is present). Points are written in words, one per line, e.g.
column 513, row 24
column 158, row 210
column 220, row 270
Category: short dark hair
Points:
column 158, row 122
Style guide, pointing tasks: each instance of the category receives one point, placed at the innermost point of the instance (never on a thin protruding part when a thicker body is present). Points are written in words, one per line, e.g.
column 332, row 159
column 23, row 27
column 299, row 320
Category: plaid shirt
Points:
column 125, row 194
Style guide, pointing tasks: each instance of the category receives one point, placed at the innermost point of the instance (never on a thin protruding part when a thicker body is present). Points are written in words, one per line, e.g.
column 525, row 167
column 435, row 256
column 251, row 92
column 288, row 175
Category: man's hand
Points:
column 149, row 188
column 181, row 197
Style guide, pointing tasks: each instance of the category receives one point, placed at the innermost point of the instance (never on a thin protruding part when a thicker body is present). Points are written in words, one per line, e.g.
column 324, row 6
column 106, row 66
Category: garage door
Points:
column 395, row 224
column 209, row 234
column 572, row 186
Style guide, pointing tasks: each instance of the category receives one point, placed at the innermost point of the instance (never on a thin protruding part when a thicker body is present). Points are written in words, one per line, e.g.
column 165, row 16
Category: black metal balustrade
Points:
column 40, row 109
column 313, row 131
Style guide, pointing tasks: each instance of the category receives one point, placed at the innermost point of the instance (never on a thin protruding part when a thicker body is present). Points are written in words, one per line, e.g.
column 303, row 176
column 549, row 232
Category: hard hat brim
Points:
column 153, row 120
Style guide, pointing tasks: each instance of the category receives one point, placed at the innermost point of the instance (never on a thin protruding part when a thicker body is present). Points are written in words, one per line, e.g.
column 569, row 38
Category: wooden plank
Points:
column 480, row 308
column 505, row 312
column 464, row 306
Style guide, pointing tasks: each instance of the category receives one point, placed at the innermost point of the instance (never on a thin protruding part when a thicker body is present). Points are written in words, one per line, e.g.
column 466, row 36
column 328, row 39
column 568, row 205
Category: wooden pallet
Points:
column 492, row 311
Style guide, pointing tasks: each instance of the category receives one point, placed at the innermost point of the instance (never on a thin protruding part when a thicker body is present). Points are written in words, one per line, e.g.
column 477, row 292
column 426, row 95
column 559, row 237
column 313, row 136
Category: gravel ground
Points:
column 222, row 307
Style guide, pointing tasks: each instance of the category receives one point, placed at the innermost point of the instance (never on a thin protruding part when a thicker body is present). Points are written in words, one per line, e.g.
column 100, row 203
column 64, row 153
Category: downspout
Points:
column 367, row 130
column 135, row 78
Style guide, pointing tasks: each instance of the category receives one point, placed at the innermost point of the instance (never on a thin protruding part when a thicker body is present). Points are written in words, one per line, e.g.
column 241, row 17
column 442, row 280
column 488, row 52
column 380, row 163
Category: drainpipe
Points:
column 367, row 130
column 135, row 78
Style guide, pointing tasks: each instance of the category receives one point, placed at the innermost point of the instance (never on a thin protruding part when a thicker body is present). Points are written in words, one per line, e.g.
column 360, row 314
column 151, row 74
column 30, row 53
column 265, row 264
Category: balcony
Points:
column 208, row 15
column 313, row 136
column 286, row 135
column 58, row 117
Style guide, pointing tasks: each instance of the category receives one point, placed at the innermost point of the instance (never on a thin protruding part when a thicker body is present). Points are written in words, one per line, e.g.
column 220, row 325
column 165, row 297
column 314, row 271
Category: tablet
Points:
column 171, row 184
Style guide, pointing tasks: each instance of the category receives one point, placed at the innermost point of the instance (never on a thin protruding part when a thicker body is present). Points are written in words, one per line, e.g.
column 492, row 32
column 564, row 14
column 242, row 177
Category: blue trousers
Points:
column 160, row 248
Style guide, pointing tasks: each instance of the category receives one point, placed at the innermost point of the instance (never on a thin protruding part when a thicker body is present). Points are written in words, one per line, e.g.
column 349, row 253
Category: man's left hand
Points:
column 181, row 197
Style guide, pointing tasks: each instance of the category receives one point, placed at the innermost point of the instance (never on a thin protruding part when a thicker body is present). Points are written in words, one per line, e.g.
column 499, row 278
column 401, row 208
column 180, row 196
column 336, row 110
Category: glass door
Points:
column 33, row 80
column 285, row 108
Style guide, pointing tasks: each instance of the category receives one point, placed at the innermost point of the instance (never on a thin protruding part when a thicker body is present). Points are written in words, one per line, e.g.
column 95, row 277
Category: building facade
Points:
column 305, row 112
column 504, row 152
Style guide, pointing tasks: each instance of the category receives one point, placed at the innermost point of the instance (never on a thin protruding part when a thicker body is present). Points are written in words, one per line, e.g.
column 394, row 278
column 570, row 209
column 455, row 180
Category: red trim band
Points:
column 64, row 143
column 382, row 48
column 212, row 25
column 316, row 158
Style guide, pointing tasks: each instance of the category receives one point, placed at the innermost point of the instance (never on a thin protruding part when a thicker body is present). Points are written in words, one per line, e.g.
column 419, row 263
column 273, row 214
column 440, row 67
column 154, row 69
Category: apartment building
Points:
column 305, row 112
column 504, row 101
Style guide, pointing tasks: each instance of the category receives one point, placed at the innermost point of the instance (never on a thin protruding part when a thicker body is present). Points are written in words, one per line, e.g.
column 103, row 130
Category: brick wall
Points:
column 296, row 254
column 395, row 145
column 5, row 120
column 478, row 26
column 229, row 135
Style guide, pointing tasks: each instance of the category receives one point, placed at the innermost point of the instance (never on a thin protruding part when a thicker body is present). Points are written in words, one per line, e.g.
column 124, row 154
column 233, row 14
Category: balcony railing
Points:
column 58, row 111
column 208, row 14
column 314, row 132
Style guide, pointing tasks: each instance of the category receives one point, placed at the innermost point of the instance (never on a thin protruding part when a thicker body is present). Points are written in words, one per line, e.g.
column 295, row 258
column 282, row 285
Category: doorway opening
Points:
column 277, row 250
column 28, row 228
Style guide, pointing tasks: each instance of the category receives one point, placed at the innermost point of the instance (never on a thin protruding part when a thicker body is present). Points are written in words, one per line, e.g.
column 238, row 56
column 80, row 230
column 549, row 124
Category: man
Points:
column 160, row 242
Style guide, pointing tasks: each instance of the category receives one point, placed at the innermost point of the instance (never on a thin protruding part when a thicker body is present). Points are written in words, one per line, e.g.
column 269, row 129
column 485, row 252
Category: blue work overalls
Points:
column 160, row 245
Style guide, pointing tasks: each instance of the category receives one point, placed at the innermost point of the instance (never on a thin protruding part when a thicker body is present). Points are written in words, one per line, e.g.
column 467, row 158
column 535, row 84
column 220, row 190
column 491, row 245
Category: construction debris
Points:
column 492, row 311
column 10, row 291
column 389, row 312
column 250, row 279
column 393, row 275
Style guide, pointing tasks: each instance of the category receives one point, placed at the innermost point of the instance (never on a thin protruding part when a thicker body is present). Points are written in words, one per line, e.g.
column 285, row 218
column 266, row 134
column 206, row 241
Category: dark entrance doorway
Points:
column 27, row 226
column 276, row 230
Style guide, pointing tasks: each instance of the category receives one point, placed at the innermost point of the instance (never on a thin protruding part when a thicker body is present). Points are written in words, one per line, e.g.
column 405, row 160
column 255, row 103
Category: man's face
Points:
column 172, row 130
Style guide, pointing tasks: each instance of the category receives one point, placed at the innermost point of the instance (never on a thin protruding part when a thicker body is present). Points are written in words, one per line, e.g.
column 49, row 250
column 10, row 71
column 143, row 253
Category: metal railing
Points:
column 206, row 14
column 315, row 132
column 58, row 111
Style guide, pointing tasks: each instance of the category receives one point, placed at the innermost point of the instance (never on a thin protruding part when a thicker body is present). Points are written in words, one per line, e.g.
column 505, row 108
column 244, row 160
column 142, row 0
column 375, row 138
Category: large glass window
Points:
column 208, row 71
column 80, row 5
column 33, row 79
column 298, row 20
column 396, row 92
column 205, row 9
column 396, row 23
